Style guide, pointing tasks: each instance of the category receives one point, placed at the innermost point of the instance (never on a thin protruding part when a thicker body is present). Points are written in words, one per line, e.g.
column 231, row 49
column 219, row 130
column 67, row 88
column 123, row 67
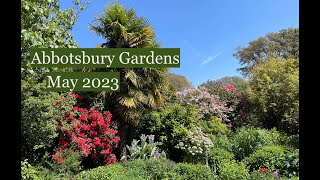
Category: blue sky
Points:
column 206, row 31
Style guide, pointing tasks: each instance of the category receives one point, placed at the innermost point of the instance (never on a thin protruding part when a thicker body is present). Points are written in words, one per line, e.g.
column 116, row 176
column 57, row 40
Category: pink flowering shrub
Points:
column 206, row 103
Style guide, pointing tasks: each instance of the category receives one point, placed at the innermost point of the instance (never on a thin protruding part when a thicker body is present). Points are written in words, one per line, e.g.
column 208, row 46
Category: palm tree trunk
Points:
column 123, row 129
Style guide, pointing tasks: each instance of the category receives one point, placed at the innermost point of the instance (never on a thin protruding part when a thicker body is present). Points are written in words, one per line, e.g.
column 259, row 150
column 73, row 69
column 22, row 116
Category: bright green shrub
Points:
column 109, row 172
column 232, row 170
column 222, row 141
column 268, row 157
column 170, row 124
column 248, row 140
column 216, row 156
column 28, row 171
column 274, row 94
column 149, row 169
column 214, row 126
column 187, row 171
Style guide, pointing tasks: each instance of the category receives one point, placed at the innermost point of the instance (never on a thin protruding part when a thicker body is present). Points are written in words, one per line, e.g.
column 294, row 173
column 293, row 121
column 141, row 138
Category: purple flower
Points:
column 275, row 175
column 157, row 154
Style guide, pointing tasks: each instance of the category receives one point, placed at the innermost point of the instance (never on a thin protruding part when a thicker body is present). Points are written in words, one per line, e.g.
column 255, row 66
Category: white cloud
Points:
column 210, row 58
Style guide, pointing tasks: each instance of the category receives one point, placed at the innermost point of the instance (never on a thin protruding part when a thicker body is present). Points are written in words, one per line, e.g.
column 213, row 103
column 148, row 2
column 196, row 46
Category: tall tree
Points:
column 274, row 94
column 283, row 44
column 178, row 82
column 141, row 88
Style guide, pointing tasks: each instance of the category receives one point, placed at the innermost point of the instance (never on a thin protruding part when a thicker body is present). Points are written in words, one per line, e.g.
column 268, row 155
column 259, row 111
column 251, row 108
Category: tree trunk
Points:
column 123, row 129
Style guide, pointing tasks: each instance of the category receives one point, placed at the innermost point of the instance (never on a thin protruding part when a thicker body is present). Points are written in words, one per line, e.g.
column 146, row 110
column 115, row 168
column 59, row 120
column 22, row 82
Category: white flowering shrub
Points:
column 195, row 146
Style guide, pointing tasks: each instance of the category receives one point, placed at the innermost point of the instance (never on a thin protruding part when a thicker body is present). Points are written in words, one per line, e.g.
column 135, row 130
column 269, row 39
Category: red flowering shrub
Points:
column 228, row 87
column 88, row 131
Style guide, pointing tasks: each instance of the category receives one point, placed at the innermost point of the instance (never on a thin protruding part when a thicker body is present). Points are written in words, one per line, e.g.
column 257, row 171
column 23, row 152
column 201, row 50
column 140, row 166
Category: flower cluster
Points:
column 228, row 87
column 206, row 103
column 196, row 143
column 77, row 96
column 90, row 132
column 263, row 170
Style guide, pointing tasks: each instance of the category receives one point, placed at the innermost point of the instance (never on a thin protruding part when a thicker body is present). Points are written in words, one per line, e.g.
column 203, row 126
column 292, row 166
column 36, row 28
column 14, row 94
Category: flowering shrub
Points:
column 197, row 145
column 90, row 133
column 228, row 87
column 207, row 104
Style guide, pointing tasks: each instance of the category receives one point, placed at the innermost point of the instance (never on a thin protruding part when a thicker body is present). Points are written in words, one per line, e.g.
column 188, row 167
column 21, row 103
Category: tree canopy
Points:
column 274, row 94
column 283, row 44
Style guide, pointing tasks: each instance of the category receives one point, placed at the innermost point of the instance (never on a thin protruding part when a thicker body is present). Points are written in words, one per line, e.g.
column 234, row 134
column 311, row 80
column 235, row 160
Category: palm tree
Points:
column 141, row 89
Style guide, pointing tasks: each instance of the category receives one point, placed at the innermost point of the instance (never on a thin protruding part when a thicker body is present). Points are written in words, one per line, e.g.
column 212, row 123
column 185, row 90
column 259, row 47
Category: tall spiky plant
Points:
column 142, row 89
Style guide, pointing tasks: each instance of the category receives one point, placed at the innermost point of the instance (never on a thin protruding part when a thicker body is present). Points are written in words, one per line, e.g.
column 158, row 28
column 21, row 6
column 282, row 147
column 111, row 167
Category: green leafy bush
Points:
column 232, row 170
column 248, row 140
column 170, row 124
column 214, row 126
column 222, row 141
column 195, row 146
column 216, row 156
column 108, row 172
column 147, row 148
column 274, row 94
column 192, row 172
column 28, row 171
column 268, row 157
column 40, row 113
column 255, row 175
column 289, row 166
column 151, row 168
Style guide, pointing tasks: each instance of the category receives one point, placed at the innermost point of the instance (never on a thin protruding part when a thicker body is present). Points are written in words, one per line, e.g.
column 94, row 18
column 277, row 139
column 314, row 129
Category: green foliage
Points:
column 216, row 156
column 178, row 82
column 71, row 164
column 40, row 113
column 192, row 172
column 268, row 157
column 222, row 141
column 283, row 44
column 28, row 171
column 274, row 94
column 196, row 146
column 289, row 166
column 255, row 175
column 214, row 126
column 146, row 149
column 108, row 172
column 45, row 25
column 151, row 168
column 248, row 140
column 291, row 141
column 170, row 124
column 232, row 170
